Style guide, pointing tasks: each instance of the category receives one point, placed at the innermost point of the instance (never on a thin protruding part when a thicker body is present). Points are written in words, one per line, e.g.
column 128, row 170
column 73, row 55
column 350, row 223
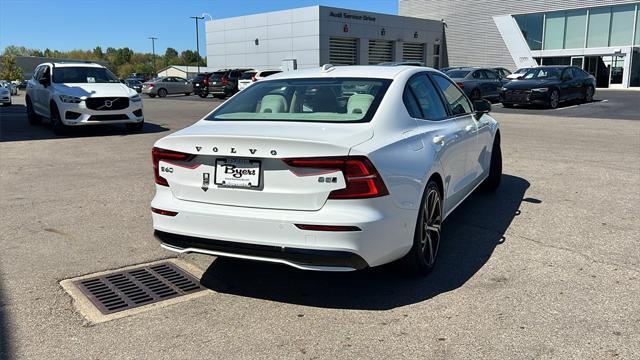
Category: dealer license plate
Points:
column 240, row 173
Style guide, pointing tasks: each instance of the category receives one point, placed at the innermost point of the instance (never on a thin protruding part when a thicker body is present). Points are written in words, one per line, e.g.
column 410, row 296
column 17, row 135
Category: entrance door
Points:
column 577, row 61
column 616, row 66
column 595, row 65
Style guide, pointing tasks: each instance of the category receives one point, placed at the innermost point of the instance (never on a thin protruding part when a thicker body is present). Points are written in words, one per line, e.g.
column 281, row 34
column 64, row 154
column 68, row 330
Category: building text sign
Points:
column 346, row 15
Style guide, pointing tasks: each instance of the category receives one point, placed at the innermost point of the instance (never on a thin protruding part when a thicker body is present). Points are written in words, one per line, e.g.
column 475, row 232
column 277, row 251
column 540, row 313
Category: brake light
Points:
column 225, row 80
column 164, row 212
column 460, row 85
column 361, row 177
column 158, row 154
column 206, row 81
column 253, row 78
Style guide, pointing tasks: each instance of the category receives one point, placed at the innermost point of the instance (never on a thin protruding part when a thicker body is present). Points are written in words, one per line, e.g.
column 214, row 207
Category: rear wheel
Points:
column 492, row 181
column 421, row 258
column 507, row 105
column 588, row 94
column 32, row 117
column 59, row 128
column 162, row 93
column 187, row 94
column 203, row 95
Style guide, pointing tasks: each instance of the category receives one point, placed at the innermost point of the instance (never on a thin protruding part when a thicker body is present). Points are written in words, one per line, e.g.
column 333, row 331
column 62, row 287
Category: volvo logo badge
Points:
column 108, row 103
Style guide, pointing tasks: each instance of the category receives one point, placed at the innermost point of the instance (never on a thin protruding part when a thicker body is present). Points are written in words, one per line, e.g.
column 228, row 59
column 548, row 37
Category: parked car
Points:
column 224, row 83
column 477, row 83
column 78, row 94
column 518, row 73
column 502, row 72
column 23, row 85
column 549, row 86
column 295, row 171
column 200, row 84
column 13, row 88
column 135, row 84
column 5, row 96
column 249, row 77
column 402, row 63
column 166, row 85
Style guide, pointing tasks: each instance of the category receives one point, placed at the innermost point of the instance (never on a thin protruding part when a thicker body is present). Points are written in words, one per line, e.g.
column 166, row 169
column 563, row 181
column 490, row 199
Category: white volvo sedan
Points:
column 332, row 168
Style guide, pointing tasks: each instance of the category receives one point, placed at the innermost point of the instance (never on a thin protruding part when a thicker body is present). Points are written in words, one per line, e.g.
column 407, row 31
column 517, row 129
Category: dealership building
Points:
column 600, row 36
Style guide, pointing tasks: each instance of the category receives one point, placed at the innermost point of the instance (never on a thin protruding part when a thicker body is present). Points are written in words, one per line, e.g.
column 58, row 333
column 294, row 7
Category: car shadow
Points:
column 563, row 104
column 5, row 341
column 470, row 236
column 15, row 127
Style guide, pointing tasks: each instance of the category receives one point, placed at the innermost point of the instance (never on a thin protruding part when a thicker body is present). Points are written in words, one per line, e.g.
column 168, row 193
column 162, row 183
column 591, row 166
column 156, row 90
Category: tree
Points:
column 171, row 53
column 9, row 70
column 97, row 52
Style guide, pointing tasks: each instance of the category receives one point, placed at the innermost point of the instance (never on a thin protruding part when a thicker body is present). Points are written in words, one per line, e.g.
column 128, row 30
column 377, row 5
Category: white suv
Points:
column 74, row 94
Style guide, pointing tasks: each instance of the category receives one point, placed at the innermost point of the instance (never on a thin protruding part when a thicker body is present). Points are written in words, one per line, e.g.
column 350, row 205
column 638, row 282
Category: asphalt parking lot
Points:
column 547, row 267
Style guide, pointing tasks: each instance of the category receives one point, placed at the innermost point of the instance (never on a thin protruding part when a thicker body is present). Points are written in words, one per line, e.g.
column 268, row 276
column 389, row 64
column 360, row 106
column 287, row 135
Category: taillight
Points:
column 460, row 85
column 225, row 80
column 253, row 78
column 206, row 81
column 158, row 154
column 362, row 179
column 164, row 212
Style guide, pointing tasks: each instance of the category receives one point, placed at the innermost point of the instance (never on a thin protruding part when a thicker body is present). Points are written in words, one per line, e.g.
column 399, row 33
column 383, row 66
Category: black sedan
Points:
column 135, row 84
column 549, row 86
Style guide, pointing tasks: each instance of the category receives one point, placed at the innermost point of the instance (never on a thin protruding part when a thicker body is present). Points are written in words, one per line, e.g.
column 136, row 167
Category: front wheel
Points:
column 59, row 128
column 421, row 259
column 187, row 94
column 588, row 94
column 135, row 127
column 554, row 99
column 492, row 181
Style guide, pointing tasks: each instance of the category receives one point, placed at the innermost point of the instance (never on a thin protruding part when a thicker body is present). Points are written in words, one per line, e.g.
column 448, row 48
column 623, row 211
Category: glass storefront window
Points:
column 574, row 31
column 554, row 31
column 637, row 42
column 622, row 25
column 531, row 28
column 598, row 32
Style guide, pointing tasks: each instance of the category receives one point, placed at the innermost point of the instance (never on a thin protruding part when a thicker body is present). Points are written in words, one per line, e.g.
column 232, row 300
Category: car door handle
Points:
column 469, row 128
column 439, row 139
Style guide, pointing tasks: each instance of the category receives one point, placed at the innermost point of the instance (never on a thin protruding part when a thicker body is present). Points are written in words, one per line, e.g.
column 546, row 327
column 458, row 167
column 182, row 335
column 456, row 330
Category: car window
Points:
column 267, row 73
column 180, row 79
column 457, row 74
column 426, row 95
column 38, row 72
column 566, row 74
column 478, row 74
column 247, row 75
column 411, row 103
column 541, row 73
column 578, row 73
column 490, row 75
column 331, row 100
column 458, row 102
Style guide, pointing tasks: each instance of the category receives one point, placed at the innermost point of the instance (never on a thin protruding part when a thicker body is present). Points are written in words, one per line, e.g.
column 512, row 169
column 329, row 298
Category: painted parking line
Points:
column 572, row 106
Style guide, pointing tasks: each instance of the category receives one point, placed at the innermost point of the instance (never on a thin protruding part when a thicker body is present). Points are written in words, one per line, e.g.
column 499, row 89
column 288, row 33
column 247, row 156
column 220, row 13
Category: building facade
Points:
column 317, row 35
column 601, row 36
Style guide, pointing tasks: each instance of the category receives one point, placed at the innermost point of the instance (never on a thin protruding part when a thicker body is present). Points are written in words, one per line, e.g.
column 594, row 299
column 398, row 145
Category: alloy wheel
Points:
column 431, row 226
column 589, row 96
column 554, row 99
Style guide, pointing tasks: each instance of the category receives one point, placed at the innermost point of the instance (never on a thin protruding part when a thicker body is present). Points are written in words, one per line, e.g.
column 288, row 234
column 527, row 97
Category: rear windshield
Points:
column 200, row 76
column 312, row 100
column 216, row 76
column 80, row 75
column 541, row 73
column 247, row 75
column 457, row 73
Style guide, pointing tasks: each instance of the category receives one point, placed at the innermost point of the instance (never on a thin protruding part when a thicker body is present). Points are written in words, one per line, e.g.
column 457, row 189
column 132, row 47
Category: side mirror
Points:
column 481, row 107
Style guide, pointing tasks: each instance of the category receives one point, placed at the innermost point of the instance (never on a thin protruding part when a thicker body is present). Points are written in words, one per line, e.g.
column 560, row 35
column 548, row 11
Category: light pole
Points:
column 153, row 51
column 196, row 18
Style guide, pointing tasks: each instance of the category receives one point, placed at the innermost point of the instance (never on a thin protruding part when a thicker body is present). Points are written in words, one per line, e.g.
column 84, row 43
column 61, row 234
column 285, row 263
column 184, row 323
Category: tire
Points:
column 32, row 117
column 554, row 99
column 588, row 94
column 58, row 127
column 187, row 94
column 421, row 259
column 135, row 127
column 221, row 97
column 476, row 95
column 507, row 105
column 151, row 95
column 162, row 93
column 492, row 182
column 203, row 95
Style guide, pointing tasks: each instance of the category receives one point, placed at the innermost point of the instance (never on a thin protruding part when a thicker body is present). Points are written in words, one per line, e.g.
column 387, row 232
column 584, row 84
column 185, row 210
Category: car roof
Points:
column 359, row 71
column 74, row 63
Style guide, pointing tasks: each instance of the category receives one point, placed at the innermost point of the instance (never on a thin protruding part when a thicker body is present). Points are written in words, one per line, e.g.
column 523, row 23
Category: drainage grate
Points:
column 123, row 290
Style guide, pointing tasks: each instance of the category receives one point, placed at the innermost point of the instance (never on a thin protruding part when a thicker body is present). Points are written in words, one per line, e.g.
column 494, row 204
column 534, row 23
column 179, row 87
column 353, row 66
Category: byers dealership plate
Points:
column 237, row 173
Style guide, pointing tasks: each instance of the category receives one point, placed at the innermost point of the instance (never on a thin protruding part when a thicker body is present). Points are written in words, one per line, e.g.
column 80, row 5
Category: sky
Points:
column 85, row 24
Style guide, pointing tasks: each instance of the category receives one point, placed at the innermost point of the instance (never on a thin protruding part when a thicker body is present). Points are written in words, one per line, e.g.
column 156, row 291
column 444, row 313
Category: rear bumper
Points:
column 386, row 232
column 301, row 258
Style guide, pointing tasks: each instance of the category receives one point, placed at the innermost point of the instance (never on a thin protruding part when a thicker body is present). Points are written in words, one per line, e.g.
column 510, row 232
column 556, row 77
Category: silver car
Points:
column 13, row 88
column 165, row 85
